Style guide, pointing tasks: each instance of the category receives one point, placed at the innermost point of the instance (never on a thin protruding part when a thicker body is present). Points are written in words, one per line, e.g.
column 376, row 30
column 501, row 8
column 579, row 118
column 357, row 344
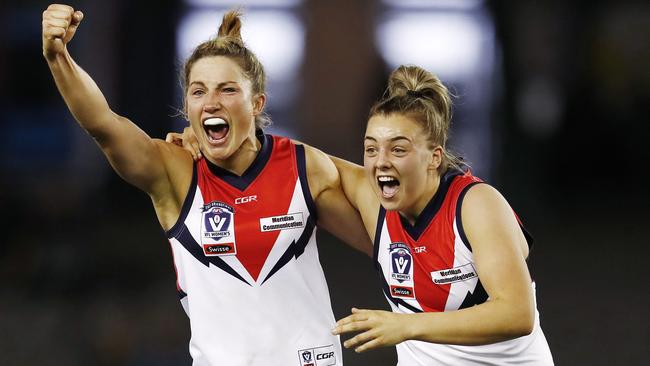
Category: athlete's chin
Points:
column 217, row 152
column 390, row 203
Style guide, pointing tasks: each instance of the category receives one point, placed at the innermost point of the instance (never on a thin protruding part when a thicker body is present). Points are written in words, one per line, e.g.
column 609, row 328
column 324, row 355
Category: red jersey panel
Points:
column 248, row 271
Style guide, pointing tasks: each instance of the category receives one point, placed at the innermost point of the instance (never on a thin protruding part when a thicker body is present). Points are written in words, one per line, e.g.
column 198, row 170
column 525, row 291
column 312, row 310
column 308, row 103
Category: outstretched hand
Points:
column 186, row 140
column 377, row 328
column 60, row 23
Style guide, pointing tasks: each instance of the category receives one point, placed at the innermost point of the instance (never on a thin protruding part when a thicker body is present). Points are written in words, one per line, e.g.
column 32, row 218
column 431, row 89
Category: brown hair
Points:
column 418, row 94
column 229, row 43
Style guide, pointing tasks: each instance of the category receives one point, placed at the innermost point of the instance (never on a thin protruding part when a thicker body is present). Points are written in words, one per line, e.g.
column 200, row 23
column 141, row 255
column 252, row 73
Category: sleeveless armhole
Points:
column 301, row 163
column 459, row 221
column 375, row 244
column 461, row 231
column 187, row 204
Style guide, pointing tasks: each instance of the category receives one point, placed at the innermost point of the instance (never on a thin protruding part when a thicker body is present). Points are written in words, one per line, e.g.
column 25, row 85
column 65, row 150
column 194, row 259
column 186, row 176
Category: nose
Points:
column 212, row 103
column 383, row 160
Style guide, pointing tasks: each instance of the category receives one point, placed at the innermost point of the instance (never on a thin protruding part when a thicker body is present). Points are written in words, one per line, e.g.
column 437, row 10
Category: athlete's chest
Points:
column 418, row 267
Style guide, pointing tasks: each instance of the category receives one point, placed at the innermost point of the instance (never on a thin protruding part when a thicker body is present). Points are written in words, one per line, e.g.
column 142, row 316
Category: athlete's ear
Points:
column 259, row 101
column 436, row 157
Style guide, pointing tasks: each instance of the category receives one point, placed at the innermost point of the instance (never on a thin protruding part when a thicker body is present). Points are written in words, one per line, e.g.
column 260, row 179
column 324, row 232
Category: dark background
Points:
column 86, row 275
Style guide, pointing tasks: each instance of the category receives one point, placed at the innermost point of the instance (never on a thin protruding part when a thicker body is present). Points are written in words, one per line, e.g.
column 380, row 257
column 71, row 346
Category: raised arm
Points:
column 133, row 154
column 499, row 251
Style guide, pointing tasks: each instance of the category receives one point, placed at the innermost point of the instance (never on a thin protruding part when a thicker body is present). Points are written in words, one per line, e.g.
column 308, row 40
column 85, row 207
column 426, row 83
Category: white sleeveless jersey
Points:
column 247, row 265
column 429, row 267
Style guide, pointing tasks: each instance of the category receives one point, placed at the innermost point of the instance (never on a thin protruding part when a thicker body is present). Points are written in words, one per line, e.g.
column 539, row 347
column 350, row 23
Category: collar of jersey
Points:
column 432, row 208
column 242, row 182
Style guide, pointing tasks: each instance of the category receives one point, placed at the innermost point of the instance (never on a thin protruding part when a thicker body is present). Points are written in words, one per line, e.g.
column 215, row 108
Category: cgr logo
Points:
column 241, row 200
column 324, row 356
column 318, row 356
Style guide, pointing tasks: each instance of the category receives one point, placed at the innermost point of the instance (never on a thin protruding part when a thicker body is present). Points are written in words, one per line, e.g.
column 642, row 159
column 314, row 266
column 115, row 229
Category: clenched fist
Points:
column 60, row 23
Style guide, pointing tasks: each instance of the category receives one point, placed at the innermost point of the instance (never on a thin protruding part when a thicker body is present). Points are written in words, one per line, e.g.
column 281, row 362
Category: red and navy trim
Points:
column 242, row 182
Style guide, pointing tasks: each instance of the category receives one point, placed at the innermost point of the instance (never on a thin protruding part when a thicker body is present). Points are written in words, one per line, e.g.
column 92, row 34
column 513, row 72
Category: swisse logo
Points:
column 219, row 249
column 401, row 291
column 240, row 200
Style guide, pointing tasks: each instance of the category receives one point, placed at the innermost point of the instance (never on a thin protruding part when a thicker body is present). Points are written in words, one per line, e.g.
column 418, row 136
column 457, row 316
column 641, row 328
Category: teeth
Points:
column 385, row 179
column 214, row 122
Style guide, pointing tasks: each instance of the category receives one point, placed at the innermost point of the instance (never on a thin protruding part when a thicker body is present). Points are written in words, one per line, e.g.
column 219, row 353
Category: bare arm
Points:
column 335, row 213
column 498, row 247
column 357, row 190
column 133, row 154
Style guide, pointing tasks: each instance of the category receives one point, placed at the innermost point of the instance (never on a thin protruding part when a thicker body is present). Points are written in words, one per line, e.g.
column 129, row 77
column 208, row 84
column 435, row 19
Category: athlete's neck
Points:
column 413, row 211
column 242, row 158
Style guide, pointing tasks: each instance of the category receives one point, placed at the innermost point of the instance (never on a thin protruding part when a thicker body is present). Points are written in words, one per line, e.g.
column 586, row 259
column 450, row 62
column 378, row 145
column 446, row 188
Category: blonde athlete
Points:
column 241, row 221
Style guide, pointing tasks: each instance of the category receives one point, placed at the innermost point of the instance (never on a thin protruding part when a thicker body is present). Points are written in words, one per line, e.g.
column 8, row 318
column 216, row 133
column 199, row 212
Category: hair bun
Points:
column 230, row 27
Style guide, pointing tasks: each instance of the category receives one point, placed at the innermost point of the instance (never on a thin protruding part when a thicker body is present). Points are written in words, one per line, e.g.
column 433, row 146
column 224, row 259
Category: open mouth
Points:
column 388, row 186
column 216, row 129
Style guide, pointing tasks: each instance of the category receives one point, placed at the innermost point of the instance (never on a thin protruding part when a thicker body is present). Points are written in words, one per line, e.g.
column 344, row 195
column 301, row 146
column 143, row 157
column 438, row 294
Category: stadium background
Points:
column 559, row 127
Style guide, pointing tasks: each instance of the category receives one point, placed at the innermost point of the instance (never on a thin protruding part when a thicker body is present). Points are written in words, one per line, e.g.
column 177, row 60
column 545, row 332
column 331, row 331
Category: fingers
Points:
column 359, row 339
column 372, row 344
column 179, row 140
column 174, row 138
column 191, row 143
column 77, row 17
column 60, row 7
column 351, row 323
column 60, row 21
column 196, row 152
column 74, row 24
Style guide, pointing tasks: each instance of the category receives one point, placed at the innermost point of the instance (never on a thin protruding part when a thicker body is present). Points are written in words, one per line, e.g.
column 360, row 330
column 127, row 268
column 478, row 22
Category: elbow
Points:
column 523, row 329
column 522, row 323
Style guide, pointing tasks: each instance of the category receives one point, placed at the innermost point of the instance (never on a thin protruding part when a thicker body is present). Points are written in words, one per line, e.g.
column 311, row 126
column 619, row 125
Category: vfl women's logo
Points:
column 401, row 271
column 217, row 229
column 307, row 358
column 400, row 259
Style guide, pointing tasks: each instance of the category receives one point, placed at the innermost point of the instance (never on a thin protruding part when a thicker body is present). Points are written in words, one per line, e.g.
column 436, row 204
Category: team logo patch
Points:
column 456, row 274
column 282, row 222
column 218, row 229
column 401, row 271
column 318, row 356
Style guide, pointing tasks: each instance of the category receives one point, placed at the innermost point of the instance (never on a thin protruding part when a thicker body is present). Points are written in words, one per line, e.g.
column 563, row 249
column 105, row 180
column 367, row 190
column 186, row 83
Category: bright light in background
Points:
column 220, row 3
column 276, row 37
column 450, row 4
column 453, row 39
column 450, row 44
column 272, row 29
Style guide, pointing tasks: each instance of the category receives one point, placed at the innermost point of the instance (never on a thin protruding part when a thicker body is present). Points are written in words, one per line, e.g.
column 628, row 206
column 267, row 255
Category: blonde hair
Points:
column 420, row 95
column 229, row 43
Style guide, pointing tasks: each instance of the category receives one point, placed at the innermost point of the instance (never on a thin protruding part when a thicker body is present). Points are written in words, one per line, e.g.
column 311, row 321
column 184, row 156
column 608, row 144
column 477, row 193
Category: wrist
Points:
column 418, row 326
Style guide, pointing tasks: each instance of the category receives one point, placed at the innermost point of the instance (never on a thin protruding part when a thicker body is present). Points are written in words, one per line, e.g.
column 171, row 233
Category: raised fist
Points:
column 60, row 23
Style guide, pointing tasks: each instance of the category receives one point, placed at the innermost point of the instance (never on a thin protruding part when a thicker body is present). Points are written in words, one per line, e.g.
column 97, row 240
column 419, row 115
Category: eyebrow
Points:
column 391, row 140
column 220, row 85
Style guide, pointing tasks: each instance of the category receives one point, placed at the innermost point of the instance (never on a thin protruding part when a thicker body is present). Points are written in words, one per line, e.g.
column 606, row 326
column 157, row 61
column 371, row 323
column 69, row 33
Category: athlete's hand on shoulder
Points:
column 60, row 22
column 378, row 328
column 186, row 140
